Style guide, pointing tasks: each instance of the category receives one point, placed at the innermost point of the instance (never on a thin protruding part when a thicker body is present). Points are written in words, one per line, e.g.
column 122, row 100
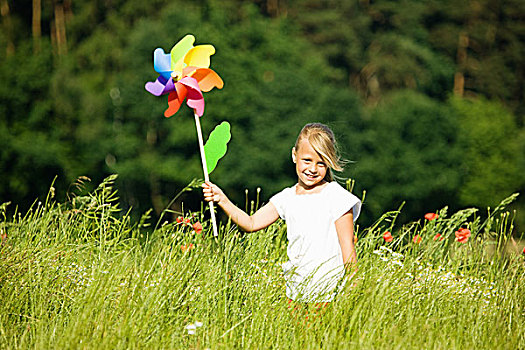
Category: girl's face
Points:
column 310, row 167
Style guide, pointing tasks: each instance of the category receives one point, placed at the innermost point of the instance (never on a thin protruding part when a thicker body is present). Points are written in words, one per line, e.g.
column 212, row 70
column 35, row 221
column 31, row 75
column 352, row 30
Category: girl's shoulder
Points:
column 343, row 200
column 335, row 187
column 286, row 192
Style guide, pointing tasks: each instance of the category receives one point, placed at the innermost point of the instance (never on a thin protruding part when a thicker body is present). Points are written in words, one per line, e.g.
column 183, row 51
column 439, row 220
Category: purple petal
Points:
column 161, row 86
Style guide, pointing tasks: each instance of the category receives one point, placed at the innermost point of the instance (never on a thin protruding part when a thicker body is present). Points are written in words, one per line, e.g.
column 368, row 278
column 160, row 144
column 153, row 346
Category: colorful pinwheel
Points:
column 184, row 74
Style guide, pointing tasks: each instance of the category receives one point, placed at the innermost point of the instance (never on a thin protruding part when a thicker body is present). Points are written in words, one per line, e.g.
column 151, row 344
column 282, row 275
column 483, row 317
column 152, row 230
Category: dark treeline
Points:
column 425, row 97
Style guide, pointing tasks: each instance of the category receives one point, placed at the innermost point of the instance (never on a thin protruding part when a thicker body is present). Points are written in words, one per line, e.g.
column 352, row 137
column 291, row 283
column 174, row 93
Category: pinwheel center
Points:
column 176, row 76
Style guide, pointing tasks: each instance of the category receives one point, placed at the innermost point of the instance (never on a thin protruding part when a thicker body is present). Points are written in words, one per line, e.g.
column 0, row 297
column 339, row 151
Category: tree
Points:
column 409, row 152
column 493, row 149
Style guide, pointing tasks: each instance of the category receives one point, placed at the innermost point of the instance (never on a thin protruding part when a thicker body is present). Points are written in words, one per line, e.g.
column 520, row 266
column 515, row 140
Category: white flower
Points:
column 192, row 327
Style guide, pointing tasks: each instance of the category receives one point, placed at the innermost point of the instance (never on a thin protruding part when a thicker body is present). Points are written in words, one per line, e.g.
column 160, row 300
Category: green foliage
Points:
column 379, row 46
column 409, row 152
column 31, row 154
column 491, row 62
column 494, row 152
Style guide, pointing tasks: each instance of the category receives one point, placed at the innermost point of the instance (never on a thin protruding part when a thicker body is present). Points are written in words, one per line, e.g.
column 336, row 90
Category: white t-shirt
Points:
column 315, row 266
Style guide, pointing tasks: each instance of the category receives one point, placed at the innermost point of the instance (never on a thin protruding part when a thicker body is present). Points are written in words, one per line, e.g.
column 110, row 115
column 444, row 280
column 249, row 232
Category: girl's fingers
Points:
column 211, row 192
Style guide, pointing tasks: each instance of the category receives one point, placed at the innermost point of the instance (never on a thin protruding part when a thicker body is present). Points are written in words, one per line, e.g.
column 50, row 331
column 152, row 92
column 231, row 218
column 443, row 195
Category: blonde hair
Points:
column 322, row 139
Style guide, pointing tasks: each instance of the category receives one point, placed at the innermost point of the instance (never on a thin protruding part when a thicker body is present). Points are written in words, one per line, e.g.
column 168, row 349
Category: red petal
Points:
column 431, row 216
column 175, row 99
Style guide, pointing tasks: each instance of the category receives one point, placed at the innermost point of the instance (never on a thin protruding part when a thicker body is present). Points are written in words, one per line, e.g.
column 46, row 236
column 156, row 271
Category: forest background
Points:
column 425, row 97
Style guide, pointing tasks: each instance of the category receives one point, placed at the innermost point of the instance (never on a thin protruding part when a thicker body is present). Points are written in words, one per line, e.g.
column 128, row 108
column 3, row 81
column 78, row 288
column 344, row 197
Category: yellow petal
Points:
column 199, row 56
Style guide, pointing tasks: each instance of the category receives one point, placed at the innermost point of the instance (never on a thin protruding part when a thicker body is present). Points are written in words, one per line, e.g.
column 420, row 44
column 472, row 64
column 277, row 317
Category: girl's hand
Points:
column 212, row 192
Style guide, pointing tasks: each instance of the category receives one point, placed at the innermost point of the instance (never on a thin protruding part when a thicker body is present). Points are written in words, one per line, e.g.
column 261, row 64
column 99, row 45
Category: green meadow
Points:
column 82, row 274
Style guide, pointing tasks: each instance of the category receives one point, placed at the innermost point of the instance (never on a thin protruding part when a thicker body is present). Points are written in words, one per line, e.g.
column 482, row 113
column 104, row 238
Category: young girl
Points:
column 319, row 216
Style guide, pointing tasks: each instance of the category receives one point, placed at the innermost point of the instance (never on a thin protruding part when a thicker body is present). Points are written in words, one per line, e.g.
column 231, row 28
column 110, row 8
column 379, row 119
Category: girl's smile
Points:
column 309, row 165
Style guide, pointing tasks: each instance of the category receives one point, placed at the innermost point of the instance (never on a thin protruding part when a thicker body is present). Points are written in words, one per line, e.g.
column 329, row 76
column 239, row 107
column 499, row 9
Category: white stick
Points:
column 205, row 170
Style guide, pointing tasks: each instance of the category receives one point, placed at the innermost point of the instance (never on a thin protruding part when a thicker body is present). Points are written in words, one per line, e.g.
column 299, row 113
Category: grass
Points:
column 82, row 275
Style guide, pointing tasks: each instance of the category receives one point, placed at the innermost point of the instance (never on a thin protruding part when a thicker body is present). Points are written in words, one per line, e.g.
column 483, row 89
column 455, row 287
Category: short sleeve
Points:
column 342, row 201
column 279, row 202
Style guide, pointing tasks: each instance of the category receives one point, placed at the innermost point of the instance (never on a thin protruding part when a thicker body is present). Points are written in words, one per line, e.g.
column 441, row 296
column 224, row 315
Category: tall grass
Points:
column 82, row 275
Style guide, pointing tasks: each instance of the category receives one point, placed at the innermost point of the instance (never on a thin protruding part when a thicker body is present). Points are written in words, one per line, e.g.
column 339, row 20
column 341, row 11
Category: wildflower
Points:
column 417, row 239
column 181, row 220
column 187, row 247
column 192, row 327
column 462, row 235
column 523, row 250
column 197, row 227
column 387, row 236
column 431, row 216
column 438, row 237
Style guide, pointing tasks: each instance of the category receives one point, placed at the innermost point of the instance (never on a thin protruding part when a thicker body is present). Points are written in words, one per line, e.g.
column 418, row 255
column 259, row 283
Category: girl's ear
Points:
column 294, row 155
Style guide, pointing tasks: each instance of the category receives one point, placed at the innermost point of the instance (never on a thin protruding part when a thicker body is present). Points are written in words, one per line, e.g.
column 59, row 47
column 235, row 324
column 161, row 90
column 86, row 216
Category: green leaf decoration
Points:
column 216, row 146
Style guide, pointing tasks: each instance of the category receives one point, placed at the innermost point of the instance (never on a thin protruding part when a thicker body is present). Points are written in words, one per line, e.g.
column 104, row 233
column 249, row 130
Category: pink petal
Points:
column 195, row 99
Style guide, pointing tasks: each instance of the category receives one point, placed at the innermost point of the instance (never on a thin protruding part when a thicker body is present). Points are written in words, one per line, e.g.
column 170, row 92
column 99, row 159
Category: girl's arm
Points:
column 345, row 232
column 262, row 218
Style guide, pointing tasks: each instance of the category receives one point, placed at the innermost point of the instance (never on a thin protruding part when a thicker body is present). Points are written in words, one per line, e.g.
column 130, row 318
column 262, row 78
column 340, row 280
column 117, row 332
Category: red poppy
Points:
column 179, row 219
column 187, row 247
column 431, row 216
column 197, row 227
column 523, row 250
column 462, row 235
column 387, row 236
column 438, row 237
column 417, row 239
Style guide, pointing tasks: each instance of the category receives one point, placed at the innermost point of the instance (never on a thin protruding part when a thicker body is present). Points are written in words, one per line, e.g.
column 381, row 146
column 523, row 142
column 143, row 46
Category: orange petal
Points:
column 175, row 100
column 208, row 79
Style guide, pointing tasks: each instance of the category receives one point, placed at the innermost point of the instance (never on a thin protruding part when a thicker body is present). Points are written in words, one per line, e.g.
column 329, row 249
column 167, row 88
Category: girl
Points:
column 319, row 216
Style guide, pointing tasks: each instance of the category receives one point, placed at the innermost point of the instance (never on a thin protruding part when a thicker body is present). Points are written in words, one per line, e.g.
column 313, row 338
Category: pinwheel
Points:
column 184, row 74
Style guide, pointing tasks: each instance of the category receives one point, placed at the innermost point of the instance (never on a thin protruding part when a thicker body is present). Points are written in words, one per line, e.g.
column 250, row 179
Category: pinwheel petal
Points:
column 162, row 63
column 207, row 79
column 195, row 98
column 179, row 50
column 161, row 86
column 199, row 56
column 175, row 99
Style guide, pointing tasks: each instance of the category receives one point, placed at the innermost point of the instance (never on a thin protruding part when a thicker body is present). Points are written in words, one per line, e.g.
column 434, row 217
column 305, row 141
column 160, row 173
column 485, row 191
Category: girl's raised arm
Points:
column 262, row 218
